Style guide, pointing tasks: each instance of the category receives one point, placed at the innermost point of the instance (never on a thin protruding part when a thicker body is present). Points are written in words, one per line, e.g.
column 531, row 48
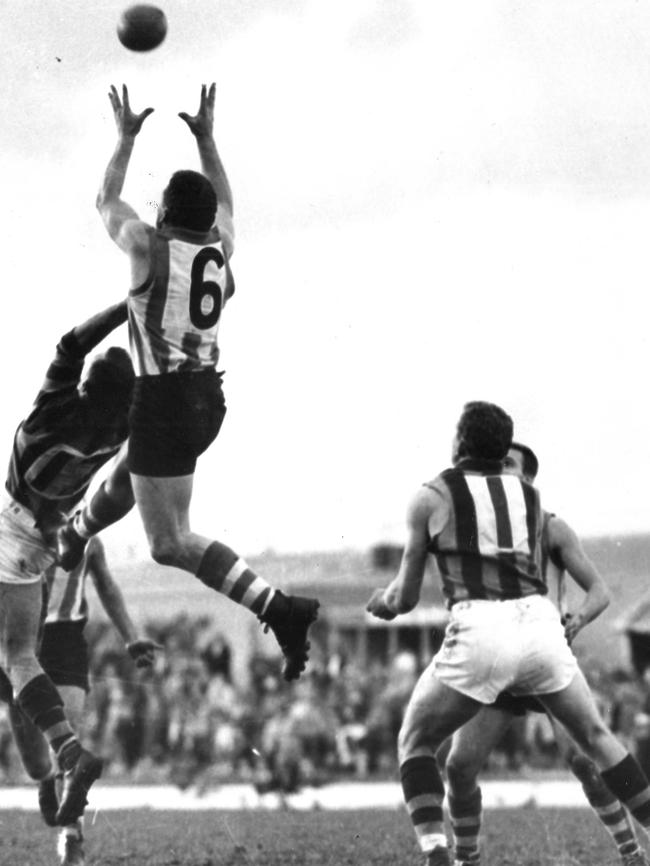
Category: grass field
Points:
column 512, row 837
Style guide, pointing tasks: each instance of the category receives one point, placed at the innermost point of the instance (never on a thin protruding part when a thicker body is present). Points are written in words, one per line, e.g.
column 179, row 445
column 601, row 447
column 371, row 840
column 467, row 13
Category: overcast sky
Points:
column 434, row 203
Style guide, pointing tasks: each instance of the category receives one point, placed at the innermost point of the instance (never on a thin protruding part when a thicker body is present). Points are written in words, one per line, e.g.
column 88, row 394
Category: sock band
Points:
column 424, row 792
column 627, row 781
column 223, row 570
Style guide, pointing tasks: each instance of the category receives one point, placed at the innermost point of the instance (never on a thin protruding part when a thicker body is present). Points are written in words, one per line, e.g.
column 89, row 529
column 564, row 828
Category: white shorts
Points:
column 24, row 554
column 493, row 646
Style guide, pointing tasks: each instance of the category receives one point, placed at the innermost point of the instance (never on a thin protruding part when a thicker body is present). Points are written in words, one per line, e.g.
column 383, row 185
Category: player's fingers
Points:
column 211, row 94
column 125, row 95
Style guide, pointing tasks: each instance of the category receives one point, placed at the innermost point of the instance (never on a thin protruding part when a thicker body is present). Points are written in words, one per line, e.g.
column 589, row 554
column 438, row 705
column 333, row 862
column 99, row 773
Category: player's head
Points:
column 484, row 432
column 521, row 461
column 110, row 379
column 188, row 201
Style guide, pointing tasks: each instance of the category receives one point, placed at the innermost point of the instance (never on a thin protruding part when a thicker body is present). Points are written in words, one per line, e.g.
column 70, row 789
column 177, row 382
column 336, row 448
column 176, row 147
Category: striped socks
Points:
column 465, row 814
column 608, row 809
column 224, row 571
column 627, row 781
column 41, row 702
column 423, row 792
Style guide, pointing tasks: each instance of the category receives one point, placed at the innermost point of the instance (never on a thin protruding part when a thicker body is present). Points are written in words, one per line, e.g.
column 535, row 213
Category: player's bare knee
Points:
column 414, row 739
column 36, row 768
column 584, row 769
column 164, row 550
column 17, row 652
column 462, row 772
column 593, row 737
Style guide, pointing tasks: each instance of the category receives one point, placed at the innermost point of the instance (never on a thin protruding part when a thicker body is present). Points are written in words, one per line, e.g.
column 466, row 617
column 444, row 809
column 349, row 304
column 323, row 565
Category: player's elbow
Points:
column 100, row 201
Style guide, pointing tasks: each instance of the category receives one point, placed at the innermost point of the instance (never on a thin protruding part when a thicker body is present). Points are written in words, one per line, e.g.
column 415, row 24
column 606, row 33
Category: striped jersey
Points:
column 57, row 450
column 66, row 592
column 490, row 544
column 174, row 315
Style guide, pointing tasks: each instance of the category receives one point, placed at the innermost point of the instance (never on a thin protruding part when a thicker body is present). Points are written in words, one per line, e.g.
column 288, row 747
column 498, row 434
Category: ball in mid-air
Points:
column 142, row 27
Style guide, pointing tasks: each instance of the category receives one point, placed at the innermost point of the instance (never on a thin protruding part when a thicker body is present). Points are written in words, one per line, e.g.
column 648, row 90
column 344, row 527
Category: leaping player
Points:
column 180, row 283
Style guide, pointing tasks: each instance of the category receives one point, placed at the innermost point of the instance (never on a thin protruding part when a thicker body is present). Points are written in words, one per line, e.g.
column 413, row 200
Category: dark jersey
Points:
column 59, row 447
column 489, row 547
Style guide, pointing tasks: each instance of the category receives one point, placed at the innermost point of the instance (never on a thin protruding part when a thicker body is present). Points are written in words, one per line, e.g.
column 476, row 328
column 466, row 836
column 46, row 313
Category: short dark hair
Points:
column 484, row 431
column 111, row 377
column 530, row 463
column 189, row 201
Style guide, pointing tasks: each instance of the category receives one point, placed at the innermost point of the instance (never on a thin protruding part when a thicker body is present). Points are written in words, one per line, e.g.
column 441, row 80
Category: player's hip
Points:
column 518, row 645
column 24, row 552
column 173, row 420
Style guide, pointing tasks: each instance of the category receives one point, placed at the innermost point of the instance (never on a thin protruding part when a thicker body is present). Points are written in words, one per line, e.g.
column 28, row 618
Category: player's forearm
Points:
column 113, row 603
column 115, row 174
column 593, row 604
column 213, row 169
column 91, row 332
column 403, row 594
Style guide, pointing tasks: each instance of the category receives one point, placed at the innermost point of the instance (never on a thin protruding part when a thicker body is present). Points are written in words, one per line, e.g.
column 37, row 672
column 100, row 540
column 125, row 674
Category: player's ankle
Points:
column 277, row 608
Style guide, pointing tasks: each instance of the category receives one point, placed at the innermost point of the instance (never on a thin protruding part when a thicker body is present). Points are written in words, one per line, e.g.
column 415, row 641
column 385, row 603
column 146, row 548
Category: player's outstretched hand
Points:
column 202, row 122
column 378, row 607
column 143, row 652
column 128, row 122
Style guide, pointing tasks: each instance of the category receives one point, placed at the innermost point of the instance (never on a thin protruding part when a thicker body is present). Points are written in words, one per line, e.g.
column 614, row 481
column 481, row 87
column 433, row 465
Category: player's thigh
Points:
column 472, row 743
column 20, row 618
column 433, row 713
column 575, row 708
column 163, row 503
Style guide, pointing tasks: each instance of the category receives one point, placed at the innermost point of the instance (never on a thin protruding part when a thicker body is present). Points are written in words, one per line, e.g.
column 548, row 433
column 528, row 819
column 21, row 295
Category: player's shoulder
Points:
column 555, row 524
column 559, row 535
column 427, row 499
column 135, row 235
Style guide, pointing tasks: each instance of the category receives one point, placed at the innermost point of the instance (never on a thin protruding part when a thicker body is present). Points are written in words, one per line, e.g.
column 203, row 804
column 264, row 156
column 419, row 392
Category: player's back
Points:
column 489, row 547
column 174, row 315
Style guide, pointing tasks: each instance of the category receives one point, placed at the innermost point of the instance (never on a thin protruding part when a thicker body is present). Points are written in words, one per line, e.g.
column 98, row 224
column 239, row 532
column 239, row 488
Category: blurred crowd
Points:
column 186, row 722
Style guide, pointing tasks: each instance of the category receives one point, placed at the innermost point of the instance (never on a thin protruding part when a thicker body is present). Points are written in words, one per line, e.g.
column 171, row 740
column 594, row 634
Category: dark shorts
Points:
column 173, row 419
column 64, row 654
column 518, row 705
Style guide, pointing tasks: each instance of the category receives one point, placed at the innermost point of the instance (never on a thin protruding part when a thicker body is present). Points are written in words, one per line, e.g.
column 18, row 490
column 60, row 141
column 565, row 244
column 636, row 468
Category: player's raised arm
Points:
column 201, row 126
column 140, row 649
column 90, row 333
column 565, row 546
column 120, row 219
column 403, row 593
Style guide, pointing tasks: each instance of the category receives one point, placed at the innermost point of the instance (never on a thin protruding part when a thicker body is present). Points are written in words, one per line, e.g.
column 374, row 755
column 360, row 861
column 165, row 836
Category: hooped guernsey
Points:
column 174, row 315
column 490, row 545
